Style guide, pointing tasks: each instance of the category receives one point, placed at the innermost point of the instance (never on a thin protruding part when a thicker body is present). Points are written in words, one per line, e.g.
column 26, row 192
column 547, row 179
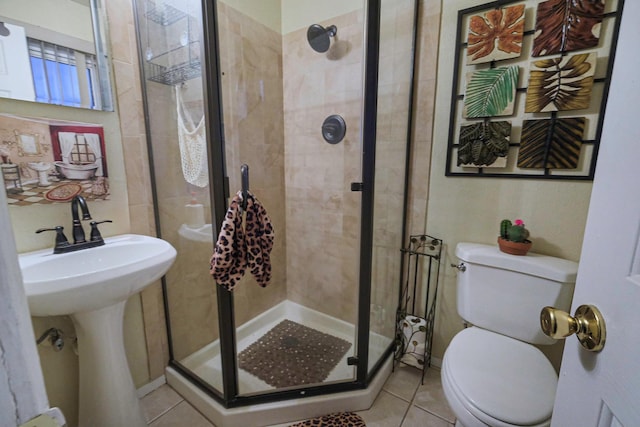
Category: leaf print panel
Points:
column 551, row 144
column 565, row 26
column 561, row 84
column 495, row 35
column 491, row 92
column 484, row 144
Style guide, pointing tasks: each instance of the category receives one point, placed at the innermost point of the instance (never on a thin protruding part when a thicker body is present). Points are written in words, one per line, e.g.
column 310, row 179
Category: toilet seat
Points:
column 498, row 380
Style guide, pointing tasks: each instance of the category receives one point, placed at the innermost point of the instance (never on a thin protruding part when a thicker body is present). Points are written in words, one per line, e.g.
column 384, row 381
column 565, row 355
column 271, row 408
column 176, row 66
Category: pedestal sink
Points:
column 92, row 286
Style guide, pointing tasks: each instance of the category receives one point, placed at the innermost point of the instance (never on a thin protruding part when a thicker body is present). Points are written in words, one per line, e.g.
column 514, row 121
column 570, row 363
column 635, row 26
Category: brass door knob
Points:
column 587, row 324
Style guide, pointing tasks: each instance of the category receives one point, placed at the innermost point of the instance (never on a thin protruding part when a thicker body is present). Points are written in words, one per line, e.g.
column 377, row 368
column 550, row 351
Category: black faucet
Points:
column 79, row 241
column 78, row 231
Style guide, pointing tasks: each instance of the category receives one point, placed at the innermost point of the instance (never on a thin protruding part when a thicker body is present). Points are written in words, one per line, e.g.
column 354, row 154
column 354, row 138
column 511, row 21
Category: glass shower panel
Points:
column 394, row 95
column 277, row 91
column 169, row 37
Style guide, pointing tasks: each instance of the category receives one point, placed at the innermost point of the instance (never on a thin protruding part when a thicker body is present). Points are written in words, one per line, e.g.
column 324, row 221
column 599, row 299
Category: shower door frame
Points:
column 219, row 194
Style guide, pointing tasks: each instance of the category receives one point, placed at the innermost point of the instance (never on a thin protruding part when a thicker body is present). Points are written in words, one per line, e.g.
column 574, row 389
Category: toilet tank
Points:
column 505, row 293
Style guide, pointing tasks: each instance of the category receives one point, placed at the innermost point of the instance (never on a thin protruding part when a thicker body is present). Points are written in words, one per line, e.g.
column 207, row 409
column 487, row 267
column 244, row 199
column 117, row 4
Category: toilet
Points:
column 492, row 374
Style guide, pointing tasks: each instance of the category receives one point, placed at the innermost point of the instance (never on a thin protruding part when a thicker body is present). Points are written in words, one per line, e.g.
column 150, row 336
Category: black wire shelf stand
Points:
column 416, row 309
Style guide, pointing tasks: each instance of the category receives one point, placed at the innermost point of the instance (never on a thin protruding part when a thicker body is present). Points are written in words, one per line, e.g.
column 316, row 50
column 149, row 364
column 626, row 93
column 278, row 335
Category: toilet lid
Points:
column 504, row 378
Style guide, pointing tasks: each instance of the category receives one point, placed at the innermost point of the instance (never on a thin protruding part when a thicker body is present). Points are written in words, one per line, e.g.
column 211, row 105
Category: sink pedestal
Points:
column 92, row 286
column 107, row 394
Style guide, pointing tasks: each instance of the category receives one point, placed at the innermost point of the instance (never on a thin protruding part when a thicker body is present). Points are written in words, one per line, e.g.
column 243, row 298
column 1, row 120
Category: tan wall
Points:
column 266, row 12
column 130, row 198
column 298, row 14
column 66, row 17
column 470, row 209
column 251, row 60
column 60, row 369
column 394, row 90
column 145, row 338
column 323, row 214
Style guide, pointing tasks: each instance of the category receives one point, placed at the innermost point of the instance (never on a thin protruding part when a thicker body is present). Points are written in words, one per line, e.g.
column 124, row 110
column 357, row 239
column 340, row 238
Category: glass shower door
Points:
column 277, row 91
column 393, row 133
column 169, row 37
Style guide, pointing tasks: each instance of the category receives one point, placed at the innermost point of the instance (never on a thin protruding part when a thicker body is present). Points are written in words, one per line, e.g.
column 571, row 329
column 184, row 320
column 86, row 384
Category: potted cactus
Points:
column 514, row 237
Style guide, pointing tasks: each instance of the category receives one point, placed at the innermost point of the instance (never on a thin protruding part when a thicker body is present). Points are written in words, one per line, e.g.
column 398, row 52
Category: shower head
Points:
column 319, row 37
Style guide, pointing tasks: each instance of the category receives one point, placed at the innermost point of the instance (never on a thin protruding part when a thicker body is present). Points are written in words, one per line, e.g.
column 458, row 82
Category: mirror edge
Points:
column 100, row 34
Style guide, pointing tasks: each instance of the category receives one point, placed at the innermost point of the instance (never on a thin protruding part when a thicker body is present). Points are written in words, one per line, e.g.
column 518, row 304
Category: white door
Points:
column 15, row 69
column 603, row 389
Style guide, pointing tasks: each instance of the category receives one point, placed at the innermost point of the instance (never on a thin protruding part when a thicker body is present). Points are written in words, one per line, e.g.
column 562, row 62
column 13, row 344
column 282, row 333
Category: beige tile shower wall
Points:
column 422, row 132
column 323, row 215
column 190, row 289
column 145, row 333
column 191, row 293
column 423, row 114
column 394, row 87
column 251, row 76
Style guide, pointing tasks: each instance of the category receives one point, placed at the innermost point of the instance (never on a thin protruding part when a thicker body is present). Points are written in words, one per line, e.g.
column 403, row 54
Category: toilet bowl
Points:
column 492, row 373
column 503, row 382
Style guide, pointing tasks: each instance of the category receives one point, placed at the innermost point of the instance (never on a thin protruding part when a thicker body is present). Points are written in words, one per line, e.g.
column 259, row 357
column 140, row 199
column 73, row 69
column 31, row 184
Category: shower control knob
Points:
column 334, row 129
column 587, row 324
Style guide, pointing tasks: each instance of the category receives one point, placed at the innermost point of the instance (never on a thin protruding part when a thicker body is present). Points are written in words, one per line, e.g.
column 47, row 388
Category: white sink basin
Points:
column 92, row 286
column 93, row 278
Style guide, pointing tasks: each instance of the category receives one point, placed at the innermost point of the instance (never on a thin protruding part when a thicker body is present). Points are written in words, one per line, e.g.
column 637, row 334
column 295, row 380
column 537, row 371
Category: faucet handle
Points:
column 95, row 233
column 61, row 239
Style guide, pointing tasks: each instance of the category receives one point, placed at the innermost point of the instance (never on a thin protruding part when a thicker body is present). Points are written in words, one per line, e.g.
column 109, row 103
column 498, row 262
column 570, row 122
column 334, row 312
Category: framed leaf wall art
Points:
column 561, row 84
column 496, row 34
column 491, row 92
column 484, row 144
column 566, row 26
column 530, row 85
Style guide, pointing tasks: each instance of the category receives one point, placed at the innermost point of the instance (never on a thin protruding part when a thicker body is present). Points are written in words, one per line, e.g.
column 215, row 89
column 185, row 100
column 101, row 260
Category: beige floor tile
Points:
column 430, row 396
column 403, row 382
column 417, row 417
column 159, row 401
column 182, row 415
column 387, row 411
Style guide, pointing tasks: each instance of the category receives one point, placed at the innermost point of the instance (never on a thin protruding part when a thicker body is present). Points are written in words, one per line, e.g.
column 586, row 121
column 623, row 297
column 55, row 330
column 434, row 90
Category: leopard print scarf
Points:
column 239, row 248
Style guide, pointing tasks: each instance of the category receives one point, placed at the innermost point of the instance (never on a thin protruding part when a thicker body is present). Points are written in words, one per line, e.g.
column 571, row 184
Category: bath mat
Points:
column 292, row 354
column 344, row 419
column 63, row 193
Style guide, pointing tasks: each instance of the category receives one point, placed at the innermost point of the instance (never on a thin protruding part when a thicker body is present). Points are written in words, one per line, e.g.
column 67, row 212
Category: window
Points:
column 82, row 153
column 63, row 76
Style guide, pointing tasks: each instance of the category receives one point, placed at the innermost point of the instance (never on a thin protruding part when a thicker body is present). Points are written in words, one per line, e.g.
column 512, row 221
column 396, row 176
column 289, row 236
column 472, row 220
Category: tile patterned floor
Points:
column 403, row 402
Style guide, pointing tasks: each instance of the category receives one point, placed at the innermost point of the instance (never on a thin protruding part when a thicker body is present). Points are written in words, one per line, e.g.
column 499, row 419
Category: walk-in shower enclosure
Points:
column 235, row 82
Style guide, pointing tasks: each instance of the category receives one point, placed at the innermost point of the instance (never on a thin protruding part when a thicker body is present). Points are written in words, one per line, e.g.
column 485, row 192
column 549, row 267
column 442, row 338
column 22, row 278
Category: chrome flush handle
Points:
column 460, row 267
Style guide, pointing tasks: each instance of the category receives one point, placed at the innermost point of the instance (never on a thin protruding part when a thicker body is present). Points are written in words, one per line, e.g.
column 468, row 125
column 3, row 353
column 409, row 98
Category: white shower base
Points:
column 207, row 365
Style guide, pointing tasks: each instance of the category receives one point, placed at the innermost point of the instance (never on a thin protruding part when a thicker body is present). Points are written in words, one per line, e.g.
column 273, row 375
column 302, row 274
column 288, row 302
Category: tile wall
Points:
column 323, row 214
column 251, row 78
column 126, row 76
